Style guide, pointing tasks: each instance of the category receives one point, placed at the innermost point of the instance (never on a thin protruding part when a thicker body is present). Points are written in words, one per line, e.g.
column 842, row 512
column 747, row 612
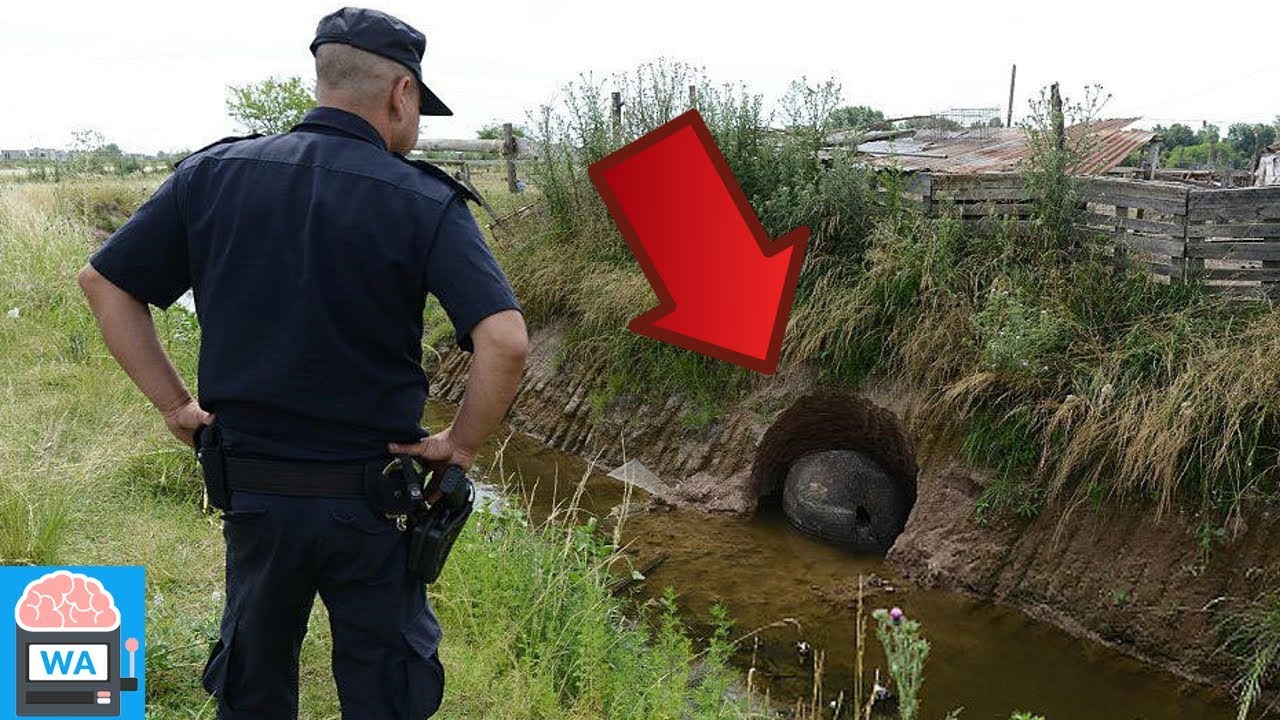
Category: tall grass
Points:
column 1252, row 636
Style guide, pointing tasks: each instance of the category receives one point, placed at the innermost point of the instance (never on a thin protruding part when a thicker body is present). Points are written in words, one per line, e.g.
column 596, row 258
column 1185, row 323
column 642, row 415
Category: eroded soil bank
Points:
column 1116, row 574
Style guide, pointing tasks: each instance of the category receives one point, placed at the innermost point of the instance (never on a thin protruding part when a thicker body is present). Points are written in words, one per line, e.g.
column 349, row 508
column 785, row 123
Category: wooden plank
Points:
column 524, row 146
column 1156, row 246
column 1257, row 212
column 1164, row 206
column 1268, row 274
column 1134, row 188
column 993, row 180
column 1238, row 197
column 993, row 208
column 1234, row 250
column 1240, row 230
column 998, row 193
column 1155, row 227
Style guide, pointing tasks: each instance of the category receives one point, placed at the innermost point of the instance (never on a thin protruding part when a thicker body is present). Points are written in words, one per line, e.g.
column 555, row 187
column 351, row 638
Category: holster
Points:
column 435, row 529
column 208, row 440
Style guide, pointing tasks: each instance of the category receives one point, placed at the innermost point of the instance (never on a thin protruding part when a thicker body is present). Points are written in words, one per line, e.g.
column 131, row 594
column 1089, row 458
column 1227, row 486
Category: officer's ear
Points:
column 404, row 98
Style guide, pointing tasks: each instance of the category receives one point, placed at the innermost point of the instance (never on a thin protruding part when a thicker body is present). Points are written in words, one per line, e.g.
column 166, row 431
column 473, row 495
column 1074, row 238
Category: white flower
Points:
column 12, row 314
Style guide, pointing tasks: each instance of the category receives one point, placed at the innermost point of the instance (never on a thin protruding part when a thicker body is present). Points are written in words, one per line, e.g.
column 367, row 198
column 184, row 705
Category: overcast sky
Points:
column 153, row 75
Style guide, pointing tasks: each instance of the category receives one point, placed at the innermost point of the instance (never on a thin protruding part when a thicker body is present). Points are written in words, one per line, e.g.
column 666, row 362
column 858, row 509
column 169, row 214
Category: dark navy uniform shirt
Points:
column 310, row 255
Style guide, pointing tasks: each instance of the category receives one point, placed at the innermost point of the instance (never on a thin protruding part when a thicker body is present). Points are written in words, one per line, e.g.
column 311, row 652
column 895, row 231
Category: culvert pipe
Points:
column 846, row 498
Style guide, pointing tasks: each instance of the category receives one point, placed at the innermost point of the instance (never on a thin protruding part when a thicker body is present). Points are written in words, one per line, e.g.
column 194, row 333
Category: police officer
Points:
column 310, row 255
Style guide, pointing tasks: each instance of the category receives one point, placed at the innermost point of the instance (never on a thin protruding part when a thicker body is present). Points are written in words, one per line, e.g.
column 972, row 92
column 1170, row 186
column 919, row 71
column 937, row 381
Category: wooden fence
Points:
column 1227, row 240
column 508, row 151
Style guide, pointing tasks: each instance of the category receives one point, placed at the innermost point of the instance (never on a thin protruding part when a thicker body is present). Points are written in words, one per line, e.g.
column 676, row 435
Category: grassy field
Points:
column 88, row 475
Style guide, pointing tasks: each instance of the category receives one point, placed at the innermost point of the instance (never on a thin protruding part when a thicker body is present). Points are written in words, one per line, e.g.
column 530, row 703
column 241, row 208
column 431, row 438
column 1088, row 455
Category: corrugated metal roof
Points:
column 988, row 150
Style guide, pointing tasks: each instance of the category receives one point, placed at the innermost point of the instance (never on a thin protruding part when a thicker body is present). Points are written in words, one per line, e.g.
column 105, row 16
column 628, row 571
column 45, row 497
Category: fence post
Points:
column 693, row 99
column 509, row 153
column 1192, row 267
column 1119, row 250
column 616, row 98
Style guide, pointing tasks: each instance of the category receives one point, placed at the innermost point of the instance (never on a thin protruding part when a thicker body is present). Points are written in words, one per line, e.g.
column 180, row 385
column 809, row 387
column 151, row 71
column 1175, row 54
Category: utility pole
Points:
column 1013, row 76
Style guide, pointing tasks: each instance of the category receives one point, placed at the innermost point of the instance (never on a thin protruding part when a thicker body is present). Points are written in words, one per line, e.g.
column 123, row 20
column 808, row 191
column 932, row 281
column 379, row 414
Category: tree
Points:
column 1250, row 140
column 493, row 131
column 1208, row 135
column 271, row 106
column 854, row 116
column 1206, row 156
column 1175, row 136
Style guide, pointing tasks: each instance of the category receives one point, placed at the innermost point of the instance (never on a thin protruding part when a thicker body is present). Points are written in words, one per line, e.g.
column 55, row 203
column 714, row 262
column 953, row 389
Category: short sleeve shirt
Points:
column 310, row 255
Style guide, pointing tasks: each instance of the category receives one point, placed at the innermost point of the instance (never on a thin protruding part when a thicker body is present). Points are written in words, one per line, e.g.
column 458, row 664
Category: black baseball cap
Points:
column 379, row 33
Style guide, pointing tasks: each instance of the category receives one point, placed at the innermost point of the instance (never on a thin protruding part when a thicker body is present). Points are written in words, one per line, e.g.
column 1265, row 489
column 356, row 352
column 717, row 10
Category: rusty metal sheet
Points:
column 991, row 150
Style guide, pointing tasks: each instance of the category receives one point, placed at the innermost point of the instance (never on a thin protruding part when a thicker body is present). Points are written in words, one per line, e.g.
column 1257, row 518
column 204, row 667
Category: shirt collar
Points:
column 345, row 122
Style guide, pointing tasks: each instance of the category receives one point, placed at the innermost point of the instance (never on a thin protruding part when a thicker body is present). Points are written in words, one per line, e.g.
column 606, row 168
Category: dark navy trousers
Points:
column 281, row 552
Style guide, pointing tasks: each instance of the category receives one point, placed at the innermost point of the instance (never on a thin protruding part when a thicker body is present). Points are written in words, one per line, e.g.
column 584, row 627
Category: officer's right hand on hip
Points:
column 437, row 451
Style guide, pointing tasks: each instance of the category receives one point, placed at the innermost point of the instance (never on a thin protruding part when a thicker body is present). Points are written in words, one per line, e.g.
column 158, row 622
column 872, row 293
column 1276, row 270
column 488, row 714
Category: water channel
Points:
column 987, row 658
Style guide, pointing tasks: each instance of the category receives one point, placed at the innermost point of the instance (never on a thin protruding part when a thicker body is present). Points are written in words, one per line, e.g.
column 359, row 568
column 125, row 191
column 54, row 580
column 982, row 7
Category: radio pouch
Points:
column 209, row 452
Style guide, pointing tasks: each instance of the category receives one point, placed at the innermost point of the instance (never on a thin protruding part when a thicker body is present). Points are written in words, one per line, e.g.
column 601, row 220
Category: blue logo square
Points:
column 71, row 642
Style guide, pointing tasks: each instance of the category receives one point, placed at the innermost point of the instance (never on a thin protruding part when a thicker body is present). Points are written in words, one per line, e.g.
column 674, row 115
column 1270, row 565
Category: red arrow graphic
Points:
column 724, row 288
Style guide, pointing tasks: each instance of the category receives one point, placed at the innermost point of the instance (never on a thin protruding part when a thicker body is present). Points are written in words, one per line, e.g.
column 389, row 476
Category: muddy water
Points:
column 988, row 659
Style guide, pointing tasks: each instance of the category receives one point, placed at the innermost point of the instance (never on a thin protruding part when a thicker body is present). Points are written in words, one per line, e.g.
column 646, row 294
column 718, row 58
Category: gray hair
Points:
column 355, row 75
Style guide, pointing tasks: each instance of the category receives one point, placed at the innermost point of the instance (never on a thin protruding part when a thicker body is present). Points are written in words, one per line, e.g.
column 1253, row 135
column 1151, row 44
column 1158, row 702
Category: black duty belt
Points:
column 305, row 479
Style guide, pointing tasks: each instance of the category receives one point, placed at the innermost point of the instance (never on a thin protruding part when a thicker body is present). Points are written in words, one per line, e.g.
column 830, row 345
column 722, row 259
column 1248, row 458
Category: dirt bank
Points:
column 1111, row 572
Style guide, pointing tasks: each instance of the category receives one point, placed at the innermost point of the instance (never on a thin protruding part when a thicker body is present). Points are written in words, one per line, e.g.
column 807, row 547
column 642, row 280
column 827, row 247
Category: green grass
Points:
column 1252, row 636
column 89, row 475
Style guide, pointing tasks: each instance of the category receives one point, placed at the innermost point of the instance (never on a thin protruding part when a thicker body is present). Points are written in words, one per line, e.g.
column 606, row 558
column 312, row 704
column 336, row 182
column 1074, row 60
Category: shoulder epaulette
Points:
column 223, row 141
column 466, row 192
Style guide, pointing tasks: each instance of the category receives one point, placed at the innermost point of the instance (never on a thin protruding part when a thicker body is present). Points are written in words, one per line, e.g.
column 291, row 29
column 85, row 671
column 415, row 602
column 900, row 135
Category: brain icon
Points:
column 64, row 600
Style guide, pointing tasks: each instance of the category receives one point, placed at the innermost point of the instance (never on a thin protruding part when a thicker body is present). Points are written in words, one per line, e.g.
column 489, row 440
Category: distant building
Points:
column 34, row 154
column 47, row 154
